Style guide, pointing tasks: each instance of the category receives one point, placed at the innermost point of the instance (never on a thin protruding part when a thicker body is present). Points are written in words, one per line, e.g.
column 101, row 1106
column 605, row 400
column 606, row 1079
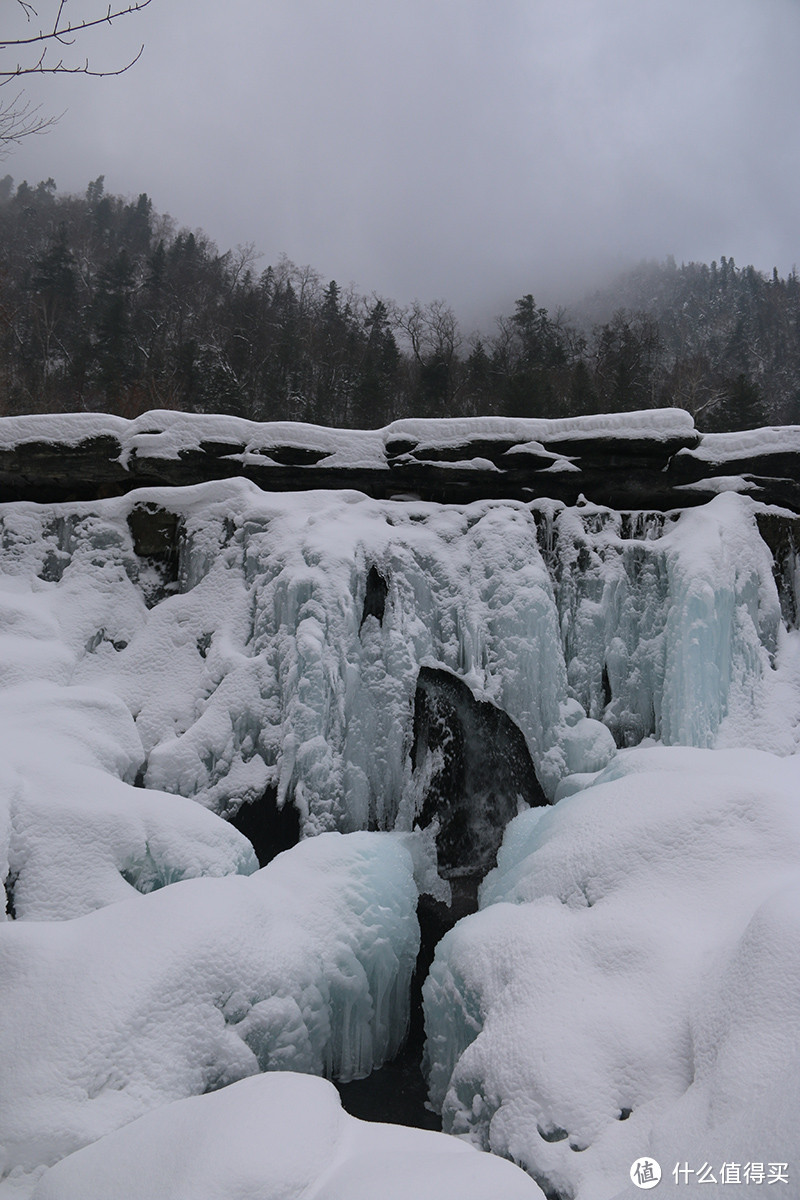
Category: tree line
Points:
column 105, row 305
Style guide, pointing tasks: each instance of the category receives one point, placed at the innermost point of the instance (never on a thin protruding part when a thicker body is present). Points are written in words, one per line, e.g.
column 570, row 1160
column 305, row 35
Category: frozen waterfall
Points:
column 595, row 700
column 270, row 648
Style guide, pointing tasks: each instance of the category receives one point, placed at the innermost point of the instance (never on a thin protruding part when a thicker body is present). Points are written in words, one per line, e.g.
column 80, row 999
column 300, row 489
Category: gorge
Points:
column 275, row 696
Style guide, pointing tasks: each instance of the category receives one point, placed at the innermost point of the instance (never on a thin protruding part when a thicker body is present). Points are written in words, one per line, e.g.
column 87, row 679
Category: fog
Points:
column 455, row 149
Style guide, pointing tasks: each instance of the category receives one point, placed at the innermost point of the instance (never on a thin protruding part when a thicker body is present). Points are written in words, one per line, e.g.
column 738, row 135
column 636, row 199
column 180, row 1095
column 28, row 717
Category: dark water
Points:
column 397, row 1092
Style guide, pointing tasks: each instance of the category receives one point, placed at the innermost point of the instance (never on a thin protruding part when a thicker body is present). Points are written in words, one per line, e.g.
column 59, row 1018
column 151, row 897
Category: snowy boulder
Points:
column 78, row 835
column 278, row 1137
column 305, row 965
column 630, row 983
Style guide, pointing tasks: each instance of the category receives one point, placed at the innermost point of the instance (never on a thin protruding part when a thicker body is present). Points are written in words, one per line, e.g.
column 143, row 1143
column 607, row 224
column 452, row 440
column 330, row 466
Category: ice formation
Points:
column 278, row 1137
column 270, row 650
column 303, row 966
column 324, row 663
column 250, row 660
column 629, row 985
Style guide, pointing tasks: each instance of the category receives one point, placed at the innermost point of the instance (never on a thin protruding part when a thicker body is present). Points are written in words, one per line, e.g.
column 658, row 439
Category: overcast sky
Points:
column 468, row 150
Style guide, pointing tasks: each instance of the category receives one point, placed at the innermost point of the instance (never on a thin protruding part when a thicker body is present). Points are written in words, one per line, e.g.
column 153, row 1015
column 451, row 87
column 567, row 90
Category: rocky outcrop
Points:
column 654, row 459
column 475, row 771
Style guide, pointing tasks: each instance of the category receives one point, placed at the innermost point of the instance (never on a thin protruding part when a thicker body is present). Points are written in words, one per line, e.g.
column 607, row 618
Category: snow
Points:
column 630, row 984
column 165, row 433
column 77, row 834
column 278, row 1137
column 303, row 966
column 750, row 443
column 637, row 946
column 716, row 484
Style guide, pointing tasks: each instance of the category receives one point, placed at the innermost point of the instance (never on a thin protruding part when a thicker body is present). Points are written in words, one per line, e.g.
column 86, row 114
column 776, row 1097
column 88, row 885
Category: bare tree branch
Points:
column 20, row 118
column 65, row 33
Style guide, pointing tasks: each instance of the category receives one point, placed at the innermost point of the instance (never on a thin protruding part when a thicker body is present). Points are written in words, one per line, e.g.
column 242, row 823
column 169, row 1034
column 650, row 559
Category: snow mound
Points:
column 304, row 966
column 630, row 984
column 278, row 1137
column 75, row 834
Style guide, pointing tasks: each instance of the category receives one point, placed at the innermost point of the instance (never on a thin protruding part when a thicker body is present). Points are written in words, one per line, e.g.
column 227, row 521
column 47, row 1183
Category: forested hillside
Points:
column 106, row 305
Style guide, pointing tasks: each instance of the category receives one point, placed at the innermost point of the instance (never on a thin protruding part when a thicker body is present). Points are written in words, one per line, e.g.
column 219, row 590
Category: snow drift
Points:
column 303, row 966
column 278, row 1137
column 630, row 985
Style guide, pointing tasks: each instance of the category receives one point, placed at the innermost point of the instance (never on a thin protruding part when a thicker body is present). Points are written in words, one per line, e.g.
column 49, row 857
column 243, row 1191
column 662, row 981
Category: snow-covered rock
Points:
column 303, row 966
column 630, row 984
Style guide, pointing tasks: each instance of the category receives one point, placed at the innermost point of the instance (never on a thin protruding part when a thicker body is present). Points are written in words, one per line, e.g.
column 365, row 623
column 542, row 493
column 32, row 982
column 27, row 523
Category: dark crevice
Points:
column 605, row 684
column 397, row 1092
column 375, row 596
column 155, row 533
column 269, row 829
column 10, row 884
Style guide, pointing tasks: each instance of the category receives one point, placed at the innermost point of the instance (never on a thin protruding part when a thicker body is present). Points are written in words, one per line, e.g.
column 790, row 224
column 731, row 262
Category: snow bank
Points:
column 630, row 984
column 165, row 433
column 76, row 834
column 303, row 966
column 750, row 443
column 278, row 1137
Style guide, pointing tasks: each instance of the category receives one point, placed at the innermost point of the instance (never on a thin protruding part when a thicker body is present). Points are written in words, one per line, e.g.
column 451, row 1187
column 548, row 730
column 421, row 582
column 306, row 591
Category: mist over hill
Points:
column 105, row 305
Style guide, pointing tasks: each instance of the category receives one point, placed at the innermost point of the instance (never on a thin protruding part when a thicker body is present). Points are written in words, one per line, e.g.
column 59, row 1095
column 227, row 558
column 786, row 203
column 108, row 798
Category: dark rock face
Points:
column 782, row 535
column 656, row 466
column 155, row 533
column 476, row 771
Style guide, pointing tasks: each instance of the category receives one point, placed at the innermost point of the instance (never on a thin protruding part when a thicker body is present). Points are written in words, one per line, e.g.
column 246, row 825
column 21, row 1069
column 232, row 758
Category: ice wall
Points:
column 269, row 648
column 253, row 653
column 668, row 620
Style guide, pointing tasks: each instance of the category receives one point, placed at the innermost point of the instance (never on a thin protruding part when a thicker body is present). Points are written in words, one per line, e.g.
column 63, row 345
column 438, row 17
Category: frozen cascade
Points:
column 666, row 620
column 270, row 647
column 275, row 662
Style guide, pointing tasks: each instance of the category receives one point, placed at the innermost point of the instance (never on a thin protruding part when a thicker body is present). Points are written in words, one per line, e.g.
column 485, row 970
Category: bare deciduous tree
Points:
column 47, row 49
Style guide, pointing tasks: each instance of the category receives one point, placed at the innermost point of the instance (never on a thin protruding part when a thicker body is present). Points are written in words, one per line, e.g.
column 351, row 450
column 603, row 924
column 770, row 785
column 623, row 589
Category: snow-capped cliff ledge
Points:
column 650, row 459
